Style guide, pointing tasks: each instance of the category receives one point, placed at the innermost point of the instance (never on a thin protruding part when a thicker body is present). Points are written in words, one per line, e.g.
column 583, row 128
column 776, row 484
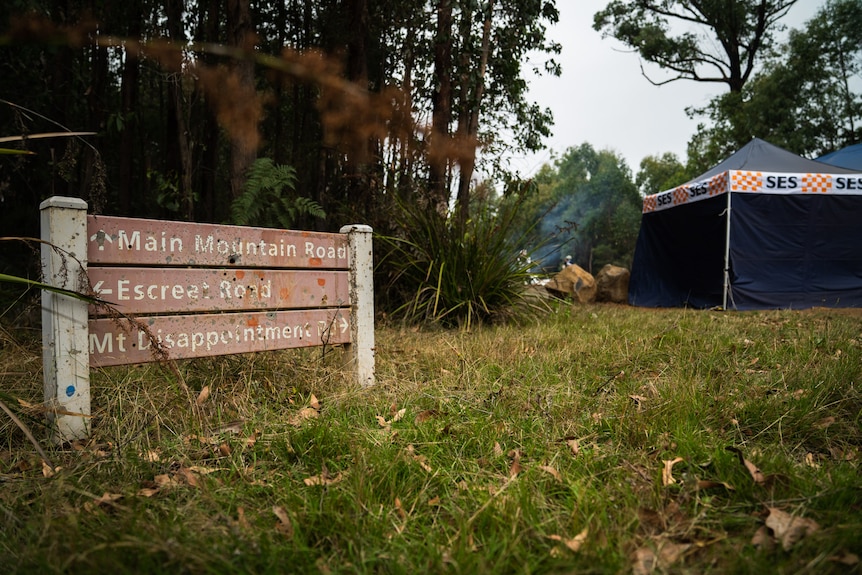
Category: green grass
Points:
column 509, row 439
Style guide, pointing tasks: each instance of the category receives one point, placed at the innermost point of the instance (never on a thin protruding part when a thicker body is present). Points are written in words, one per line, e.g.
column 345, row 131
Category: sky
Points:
column 602, row 99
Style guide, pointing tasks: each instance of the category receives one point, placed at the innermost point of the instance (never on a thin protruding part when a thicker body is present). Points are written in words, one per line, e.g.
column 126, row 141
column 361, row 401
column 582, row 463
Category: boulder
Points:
column 575, row 282
column 612, row 284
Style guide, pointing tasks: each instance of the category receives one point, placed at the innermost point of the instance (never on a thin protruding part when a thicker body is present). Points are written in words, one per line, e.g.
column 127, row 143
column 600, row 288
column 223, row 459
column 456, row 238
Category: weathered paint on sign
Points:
column 180, row 290
column 114, row 240
column 116, row 342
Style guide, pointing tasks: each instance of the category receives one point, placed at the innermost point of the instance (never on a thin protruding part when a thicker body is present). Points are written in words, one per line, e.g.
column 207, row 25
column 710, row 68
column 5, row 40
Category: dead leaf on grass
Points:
column 845, row 558
column 400, row 509
column 644, row 561
column 303, row 415
column 240, row 518
column 825, row 422
column 230, row 427
column 165, row 481
column 323, row 479
column 424, row 416
column 753, row 470
column 554, row 473
column 788, row 528
column 498, row 450
column 284, row 525
column 515, row 469
column 763, row 539
column 48, row 471
column 574, row 446
column 575, row 543
column 420, row 459
column 314, row 403
column 667, row 472
column 203, row 395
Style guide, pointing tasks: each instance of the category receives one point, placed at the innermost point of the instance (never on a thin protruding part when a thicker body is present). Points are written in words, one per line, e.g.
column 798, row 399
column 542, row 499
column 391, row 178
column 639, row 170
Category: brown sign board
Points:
column 132, row 241
column 136, row 290
column 118, row 342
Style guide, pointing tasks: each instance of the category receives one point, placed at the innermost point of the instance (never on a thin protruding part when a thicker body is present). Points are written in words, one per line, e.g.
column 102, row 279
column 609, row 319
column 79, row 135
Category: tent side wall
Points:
column 679, row 256
column 795, row 251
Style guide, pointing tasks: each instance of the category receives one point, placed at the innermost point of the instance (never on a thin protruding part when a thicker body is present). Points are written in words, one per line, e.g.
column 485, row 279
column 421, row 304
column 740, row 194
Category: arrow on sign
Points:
column 344, row 324
column 100, row 237
column 102, row 291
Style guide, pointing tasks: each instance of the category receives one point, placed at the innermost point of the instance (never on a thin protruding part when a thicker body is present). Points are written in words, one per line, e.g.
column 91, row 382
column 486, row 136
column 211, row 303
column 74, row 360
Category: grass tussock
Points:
column 594, row 441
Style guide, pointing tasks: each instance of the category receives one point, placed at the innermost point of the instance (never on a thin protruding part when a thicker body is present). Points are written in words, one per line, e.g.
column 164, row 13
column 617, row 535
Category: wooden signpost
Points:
column 189, row 290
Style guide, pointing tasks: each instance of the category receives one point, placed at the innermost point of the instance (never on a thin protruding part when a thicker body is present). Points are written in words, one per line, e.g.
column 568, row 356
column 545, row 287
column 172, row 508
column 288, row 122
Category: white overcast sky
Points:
column 602, row 98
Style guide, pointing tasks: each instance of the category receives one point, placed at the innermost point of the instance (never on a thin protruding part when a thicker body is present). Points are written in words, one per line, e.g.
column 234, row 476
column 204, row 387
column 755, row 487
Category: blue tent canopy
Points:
column 849, row 157
column 764, row 229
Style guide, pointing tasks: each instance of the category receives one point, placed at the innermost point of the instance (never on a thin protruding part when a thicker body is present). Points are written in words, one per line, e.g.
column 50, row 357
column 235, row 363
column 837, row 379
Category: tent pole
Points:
column 726, row 256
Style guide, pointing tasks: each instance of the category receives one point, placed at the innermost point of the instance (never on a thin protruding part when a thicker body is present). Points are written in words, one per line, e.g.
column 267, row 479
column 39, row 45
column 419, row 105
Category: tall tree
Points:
column 244, row 139
column 703, row 40
column 806, row 99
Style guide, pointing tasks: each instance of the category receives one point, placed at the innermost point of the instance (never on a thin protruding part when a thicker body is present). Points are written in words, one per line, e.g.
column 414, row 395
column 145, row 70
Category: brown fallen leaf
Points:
column 574, row 446
column 825, row 422
column 498, row 451
column 400, row 509
column 755, row 473
column 575, row 543
column 556, row 474
column 515, row 469
column 788, row 528
column 845, row 558
column 644, row 561
column 382, row 421
column 667, row 472
column 302, row 415
column 399, row 415
column 424, row 416
column 314, row 403
column 284, row 525
column 322, row 479
column 203, row 395
column 763, row 539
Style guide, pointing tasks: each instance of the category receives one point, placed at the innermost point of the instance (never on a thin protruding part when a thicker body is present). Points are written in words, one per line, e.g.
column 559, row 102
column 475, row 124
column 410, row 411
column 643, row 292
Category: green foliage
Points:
column 805, row 99
column 660, row 173
column 436, row 274
column 594, row 193
column 266, row 201
column 721, row 40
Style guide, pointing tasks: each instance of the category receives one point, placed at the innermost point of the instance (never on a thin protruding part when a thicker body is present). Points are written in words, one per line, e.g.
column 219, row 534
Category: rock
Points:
column 612, row 284
column 575, row 282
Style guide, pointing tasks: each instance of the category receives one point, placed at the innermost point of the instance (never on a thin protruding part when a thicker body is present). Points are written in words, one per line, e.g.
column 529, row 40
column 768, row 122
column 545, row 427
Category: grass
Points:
column 479, row 452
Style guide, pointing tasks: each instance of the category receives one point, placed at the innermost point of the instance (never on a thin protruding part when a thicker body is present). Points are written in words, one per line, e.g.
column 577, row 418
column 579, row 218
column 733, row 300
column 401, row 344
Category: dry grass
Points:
column 592, row 441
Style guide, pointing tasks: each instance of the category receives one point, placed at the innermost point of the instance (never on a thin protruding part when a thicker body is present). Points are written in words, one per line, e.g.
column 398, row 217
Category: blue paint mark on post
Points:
column 70, row 391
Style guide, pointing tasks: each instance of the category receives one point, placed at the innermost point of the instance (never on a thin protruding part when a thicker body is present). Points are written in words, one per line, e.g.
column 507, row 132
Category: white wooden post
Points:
column 65, row 351
column 359, row 355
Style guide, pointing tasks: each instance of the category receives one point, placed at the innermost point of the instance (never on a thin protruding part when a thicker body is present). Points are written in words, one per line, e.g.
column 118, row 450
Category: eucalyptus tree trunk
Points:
column 241, row 34
column 441, row 111
column 472, row 90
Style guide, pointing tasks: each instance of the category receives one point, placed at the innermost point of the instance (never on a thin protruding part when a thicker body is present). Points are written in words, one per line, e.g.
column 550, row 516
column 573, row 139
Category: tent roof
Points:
column 849, row 157
column 759, row 155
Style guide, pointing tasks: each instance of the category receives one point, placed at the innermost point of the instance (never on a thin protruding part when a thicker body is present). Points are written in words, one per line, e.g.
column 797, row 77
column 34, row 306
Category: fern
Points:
column 266, row 199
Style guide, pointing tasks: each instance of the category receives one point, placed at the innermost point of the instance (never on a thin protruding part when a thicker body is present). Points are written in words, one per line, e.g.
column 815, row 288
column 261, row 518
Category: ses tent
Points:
column 764, row 229
column 849, row 157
